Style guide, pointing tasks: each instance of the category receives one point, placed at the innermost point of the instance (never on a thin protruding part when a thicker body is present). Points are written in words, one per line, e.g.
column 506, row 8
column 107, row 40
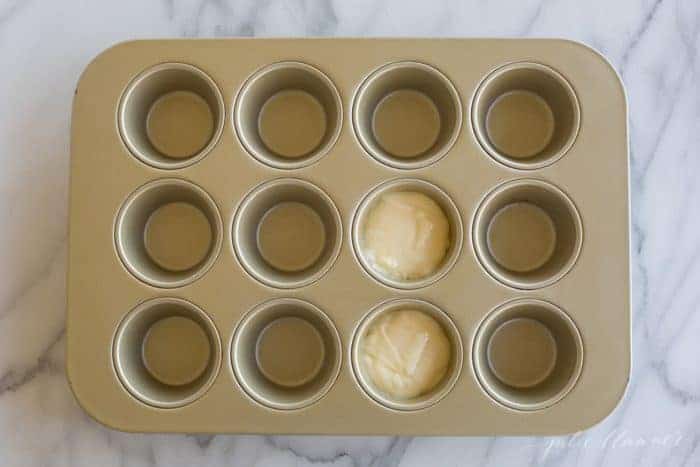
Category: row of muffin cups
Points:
column 526, row 95
column 144, row 232
column 149, row 375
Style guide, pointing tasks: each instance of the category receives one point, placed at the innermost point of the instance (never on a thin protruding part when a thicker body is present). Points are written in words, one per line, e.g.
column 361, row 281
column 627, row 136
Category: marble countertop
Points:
column 654, row 45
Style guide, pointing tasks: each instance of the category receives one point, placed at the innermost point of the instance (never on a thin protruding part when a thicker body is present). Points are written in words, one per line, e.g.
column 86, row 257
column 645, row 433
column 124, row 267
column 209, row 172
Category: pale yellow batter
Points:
column 405, row 353
column 406, row 235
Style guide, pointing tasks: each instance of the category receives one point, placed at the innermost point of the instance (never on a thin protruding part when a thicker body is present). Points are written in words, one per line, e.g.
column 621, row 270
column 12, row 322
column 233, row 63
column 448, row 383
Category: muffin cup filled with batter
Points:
column 527, row 233
column 406, row 354
column 286, row 354
column 287, row 233
column 167, row 352
column 528, row 354
column 288, row 115
column 168, row 233
column 407, row 115
column 407, row 233
column 525, row 115
column 171, row 115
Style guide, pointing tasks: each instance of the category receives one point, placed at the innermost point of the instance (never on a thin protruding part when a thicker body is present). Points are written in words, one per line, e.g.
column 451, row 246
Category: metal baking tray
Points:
column 217, row 277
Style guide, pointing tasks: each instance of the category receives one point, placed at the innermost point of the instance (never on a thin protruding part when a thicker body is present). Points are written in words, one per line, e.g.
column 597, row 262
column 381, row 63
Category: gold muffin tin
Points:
column 217, row 281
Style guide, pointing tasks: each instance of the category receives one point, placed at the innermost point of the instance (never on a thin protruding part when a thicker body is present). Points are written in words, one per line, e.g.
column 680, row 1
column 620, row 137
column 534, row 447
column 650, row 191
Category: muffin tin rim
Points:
column 580, row 364
column 487, row 148
column 216, row 354
column 261, row 306
column 304, row 161
column 235, row 217
column 500, row 279
column 200, row 270
column 185, row 162
column 385, row 403
column 364, row 203
column 389, row 162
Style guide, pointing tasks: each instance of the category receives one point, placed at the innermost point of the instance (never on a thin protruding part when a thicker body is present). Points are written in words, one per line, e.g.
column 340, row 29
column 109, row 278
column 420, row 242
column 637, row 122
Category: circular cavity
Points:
column 168, row 233
column 286, row 354
column 282, row 366
column 521, row 237
column 407, row 115
column 166, row 352
column 167, row 359
column 527, row 233
column 171, row 115
column 291, row 223
column 527, row 354
column 292, row 123
column 382, row 239
column 413, row 340
column 177, row 236
column 287, row 233
column 525, row 115
column 520, row 124
column 179, row 124
column 419, row 121
column 288, row 115
column 522, row 352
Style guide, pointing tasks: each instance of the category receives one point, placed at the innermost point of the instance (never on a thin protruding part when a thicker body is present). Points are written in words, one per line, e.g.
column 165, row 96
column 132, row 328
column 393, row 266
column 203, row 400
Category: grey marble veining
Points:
column 654, row 44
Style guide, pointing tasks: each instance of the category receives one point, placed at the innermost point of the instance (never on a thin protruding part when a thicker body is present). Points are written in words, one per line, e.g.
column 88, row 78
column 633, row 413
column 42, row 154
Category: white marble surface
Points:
column 44, row 45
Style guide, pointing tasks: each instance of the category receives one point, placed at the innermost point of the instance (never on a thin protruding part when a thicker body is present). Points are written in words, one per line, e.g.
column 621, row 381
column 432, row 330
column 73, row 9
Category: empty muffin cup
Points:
column 287, row 233
column 527, row 233
column 286, row 354
column 171, row 115
column 364, row 216
column 166, row 352
column 168, row 233
column 407, row 115
column 525, row 115
column 288, row 115
column 418, row 341
column 528, row 354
